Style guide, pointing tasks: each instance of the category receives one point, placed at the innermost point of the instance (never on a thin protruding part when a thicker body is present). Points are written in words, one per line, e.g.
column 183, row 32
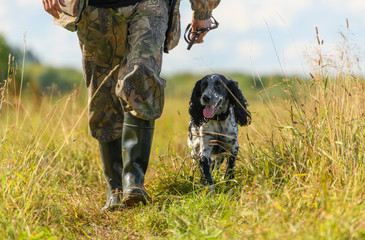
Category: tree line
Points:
column 36, row 76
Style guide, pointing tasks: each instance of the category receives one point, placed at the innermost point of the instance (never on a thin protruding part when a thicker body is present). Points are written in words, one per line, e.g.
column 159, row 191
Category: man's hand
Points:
column 53, row 7
column 199, row 24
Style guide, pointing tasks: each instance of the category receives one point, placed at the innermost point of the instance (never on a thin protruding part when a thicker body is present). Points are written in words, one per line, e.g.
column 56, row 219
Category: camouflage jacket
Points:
column 202, row 9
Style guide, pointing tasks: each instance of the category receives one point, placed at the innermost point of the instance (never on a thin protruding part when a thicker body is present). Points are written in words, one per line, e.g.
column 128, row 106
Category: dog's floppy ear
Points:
column 195, row 108
column 239, row 103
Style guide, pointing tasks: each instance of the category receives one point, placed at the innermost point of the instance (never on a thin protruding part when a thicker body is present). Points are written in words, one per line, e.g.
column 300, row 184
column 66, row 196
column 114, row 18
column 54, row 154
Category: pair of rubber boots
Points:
column 125, row 163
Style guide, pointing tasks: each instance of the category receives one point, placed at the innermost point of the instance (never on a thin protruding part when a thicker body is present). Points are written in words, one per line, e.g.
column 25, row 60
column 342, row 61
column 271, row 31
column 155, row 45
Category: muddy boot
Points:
column 136, row 147
column 111, row 159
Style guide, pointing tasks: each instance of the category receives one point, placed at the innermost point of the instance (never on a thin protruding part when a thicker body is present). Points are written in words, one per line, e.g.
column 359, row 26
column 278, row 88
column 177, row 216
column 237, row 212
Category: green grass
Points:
column 299, row 175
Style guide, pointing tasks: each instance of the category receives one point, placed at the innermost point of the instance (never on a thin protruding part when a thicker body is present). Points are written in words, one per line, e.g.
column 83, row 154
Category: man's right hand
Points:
column 53, row 7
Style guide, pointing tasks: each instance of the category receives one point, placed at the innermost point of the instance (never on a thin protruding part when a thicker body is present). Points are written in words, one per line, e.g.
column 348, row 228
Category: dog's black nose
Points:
column 206, row 98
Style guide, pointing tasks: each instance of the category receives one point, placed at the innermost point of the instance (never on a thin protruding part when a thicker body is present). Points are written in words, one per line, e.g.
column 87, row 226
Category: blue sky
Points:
column 254, row 37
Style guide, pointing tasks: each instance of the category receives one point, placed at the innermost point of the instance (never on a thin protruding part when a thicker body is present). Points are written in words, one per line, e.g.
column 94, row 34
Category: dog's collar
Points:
column 222, row 116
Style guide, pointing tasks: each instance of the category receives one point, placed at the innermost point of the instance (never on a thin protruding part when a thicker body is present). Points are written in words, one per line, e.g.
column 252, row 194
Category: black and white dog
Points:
column 217, row 107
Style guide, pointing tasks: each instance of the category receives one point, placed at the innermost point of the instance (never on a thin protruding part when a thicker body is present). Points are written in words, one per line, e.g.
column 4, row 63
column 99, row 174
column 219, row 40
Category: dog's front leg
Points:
column 231, row 161
column 204, row 165
column 205, row 160
column 230, row 166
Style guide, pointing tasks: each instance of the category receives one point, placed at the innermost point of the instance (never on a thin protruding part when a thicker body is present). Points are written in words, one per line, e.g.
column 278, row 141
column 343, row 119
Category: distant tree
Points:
column 30, row 57
column 38, row 77
column 43, row 78
column 5, row 50
column 16, row 55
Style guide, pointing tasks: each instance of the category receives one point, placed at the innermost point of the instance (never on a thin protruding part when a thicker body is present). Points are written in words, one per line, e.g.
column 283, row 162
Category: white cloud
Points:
column 294, row 56
column 58, row 47
column 28, row 3
column 241, row 15
column 5, row 27
column 3, row 10
column 250, row 49
column 296, row 49
column 356, row 6
column 351, row 6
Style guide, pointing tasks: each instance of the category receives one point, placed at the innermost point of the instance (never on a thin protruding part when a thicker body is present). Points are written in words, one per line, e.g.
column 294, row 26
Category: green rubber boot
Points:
column 136, row 147
column 111, row 159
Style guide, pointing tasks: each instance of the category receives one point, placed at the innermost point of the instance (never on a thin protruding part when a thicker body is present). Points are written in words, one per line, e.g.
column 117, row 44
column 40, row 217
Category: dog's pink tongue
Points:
column 208, row 111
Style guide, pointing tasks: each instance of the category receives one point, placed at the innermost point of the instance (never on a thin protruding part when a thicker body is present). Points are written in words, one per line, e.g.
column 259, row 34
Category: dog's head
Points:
column 212, row 96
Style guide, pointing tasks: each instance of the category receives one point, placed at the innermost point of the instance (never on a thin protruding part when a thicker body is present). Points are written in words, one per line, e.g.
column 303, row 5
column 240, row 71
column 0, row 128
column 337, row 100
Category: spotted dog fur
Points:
column 217, row 107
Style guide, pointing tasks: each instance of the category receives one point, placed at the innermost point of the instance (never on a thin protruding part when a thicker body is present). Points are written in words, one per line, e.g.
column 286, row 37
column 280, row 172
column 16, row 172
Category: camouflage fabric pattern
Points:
column 202, row 9
column 128, row 39
column 140, row 86
column 173, row 34
column 71, row 14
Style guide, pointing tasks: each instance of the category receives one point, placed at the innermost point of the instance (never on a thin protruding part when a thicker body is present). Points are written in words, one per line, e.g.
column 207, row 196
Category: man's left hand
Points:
column 200, row 24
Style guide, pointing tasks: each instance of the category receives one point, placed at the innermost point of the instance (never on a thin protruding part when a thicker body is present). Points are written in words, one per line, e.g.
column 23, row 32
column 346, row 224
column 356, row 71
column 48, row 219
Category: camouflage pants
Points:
column 128, row 40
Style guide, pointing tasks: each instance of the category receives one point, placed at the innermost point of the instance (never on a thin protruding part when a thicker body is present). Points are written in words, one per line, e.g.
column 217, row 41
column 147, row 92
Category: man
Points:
column 122, row 43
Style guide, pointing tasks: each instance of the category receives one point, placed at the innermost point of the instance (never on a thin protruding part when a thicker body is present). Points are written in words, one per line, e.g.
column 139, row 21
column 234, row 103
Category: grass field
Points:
column 300, row 171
